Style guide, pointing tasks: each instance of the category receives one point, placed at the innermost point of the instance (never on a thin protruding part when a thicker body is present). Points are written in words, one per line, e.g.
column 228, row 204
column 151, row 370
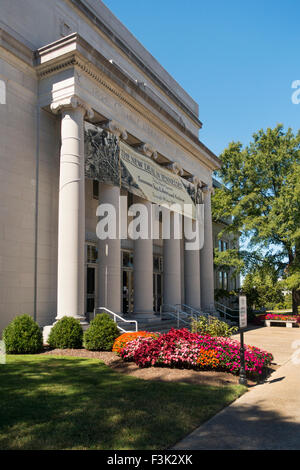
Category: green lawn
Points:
column 75, row 403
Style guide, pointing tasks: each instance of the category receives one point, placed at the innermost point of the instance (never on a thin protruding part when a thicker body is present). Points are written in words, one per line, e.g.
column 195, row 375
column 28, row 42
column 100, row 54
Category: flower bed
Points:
column 276, row 316
column 122, row 340
column 182, row 349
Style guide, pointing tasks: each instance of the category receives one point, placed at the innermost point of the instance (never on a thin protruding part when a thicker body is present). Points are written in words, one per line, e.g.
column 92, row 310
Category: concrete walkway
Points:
column 268, row 415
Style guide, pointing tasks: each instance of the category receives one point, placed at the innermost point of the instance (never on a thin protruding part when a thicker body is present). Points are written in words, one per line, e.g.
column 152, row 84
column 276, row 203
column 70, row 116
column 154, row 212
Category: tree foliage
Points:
column 262, row 194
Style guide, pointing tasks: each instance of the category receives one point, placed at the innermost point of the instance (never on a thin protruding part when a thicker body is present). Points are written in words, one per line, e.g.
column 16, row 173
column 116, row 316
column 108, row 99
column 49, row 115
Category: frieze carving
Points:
column 103, row 163
column 102, row 160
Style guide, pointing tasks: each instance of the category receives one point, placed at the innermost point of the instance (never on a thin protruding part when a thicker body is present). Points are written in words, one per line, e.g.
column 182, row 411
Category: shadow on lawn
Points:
column 64, row 403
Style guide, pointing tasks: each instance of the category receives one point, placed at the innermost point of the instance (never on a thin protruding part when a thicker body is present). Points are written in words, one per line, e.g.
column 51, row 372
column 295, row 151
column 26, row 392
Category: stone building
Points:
column 224, row 279
column 70, row 71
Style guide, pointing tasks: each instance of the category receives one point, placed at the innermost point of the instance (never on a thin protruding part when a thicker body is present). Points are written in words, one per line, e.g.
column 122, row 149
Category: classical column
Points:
column 109, row 256
column 71, row 217
column 109, row 250
column 206, row 256
column 192, row 276
column 143, row 267
column 172, row 270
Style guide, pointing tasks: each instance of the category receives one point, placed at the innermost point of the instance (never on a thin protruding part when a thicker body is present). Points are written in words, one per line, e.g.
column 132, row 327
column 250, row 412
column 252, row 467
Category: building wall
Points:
column 232, row 240
column 30, row 142
column 19, row 136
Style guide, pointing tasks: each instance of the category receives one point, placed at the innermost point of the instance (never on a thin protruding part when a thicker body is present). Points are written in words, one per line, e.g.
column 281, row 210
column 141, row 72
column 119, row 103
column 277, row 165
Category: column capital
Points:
column 148, row 150
column 115, row 128
column 194, row 179
column 207, row 189
column 71, row 102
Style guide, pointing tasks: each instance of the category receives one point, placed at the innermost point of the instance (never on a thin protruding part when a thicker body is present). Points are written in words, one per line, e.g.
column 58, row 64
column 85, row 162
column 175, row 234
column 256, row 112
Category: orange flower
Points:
column 208, row 358
column 122, row 340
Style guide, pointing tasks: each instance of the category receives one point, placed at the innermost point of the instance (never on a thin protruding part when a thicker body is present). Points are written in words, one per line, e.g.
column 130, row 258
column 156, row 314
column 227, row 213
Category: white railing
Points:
column 191, row 311
column 178, row 311
column 174, row 312
column 117, row 317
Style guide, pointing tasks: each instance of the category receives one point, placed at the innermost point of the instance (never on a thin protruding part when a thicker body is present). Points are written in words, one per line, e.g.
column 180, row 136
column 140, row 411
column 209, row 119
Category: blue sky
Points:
column 236, row 59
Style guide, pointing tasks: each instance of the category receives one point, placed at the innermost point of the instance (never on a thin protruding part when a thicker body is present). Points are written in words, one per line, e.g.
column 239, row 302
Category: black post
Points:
column 243, row 378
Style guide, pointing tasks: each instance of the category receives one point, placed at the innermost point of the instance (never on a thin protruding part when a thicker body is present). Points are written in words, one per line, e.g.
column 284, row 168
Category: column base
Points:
column 145, row 317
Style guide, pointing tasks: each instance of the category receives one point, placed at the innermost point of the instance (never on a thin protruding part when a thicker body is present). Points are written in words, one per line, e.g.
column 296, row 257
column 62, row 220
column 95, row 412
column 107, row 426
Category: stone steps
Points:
column 161, row 326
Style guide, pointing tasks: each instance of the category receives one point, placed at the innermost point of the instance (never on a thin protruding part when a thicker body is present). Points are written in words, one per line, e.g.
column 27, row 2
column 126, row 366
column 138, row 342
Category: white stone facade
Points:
column 62, row 63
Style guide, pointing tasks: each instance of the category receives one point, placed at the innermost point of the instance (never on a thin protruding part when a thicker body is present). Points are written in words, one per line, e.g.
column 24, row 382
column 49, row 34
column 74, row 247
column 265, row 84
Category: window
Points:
column 157, row 264
column 129, row 199
column 92, row 254
column 95, row 189
column 223, row 246
column 127, row 259
column 220, row 279
column 223, row 280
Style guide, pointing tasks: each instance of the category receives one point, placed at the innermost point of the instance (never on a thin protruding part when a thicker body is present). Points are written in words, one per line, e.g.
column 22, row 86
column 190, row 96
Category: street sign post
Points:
column 243, row 325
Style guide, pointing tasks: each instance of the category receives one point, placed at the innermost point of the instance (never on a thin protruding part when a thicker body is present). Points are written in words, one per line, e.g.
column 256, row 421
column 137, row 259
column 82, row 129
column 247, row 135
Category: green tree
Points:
column 262, row 289
column 262, row 194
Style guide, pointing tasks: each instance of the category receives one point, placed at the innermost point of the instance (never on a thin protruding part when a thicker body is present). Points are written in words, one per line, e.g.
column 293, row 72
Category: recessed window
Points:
column 127, row 259
column 223, row 280
column 92, row 254
column 223, row 245
column 95, row 189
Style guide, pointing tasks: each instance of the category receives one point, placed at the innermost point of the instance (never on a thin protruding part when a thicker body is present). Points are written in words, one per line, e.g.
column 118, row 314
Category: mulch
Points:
column 164, row 374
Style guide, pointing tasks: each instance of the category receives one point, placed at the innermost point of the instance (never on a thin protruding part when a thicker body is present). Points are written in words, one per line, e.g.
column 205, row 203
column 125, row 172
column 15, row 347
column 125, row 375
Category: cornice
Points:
column 120, row 44
column 112, row 79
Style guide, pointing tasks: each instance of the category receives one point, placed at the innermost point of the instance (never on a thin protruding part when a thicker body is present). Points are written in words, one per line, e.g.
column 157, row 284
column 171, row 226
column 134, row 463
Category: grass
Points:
column 77, row 403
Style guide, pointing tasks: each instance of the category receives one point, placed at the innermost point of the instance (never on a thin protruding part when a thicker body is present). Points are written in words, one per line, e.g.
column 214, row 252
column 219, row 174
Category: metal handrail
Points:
column 193, row 311
column 224, row 308
column 115, row 315
column 176, row 313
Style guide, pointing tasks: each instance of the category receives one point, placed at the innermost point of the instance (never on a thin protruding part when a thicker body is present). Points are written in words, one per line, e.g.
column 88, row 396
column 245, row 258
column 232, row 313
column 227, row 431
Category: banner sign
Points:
column 157, row 183
column 243, row 311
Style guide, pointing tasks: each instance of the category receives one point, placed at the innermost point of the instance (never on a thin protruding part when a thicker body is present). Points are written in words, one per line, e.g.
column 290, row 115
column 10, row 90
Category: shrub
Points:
column 23, row 336
column 66, row 333
column 101, row 317
column 122, row 340
column 182, row 349
column 213, row 327
column 101, row 334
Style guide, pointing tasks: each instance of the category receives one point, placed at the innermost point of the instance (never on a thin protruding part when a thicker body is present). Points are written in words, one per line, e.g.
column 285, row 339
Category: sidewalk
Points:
column 268, row 415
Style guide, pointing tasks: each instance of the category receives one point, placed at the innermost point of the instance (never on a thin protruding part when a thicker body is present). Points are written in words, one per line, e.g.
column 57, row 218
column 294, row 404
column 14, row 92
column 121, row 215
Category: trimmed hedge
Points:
column 101, row 334
column 23, row 336
column 66, row 334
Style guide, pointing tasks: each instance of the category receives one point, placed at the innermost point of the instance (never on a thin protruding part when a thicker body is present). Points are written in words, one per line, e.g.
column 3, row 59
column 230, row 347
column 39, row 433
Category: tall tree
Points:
column 262, row 193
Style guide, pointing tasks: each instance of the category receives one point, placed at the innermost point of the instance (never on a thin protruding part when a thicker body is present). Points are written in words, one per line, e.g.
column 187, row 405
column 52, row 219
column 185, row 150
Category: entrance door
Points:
column 90, row 289
column 127, row 291
column 157, row 292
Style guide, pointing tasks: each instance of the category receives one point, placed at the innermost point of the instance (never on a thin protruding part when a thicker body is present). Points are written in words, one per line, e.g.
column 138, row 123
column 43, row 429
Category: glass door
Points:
column 90, row 290
column 157, row 292
column 127, row 291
